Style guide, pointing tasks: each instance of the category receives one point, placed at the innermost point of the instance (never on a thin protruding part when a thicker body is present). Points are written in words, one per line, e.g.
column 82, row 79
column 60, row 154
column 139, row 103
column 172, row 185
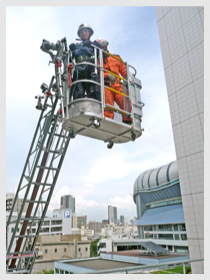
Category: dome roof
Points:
column 156, row 177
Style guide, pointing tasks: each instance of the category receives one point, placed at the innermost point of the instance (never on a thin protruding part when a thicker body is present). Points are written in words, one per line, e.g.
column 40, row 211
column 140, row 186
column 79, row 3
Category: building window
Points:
column 165, row 228
column 56, row 222
column 183, row 236
column 86, row 249
column 176, row 236
column 55, row 250
column 181, row 249
column 53, row 229
column 166, row 236
column 79, row 249
column 64, row 249
column 149, row 227
column 175, row 227
column 56, row 271
column 182, row 227
column 45, row 251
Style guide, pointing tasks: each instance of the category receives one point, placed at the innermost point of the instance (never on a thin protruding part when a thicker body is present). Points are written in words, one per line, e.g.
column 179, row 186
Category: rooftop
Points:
column 141, row 254
column 101, row 264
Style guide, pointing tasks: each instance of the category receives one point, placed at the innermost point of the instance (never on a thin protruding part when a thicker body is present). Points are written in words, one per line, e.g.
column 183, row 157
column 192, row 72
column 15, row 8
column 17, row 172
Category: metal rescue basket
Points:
column 85, row 116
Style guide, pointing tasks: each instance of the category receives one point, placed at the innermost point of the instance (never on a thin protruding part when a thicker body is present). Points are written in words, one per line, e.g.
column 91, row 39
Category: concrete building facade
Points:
column 181, row 33
column 57, row 247
column 96, row 226
column 112, row 215
column 68, row 202
column 81, row 221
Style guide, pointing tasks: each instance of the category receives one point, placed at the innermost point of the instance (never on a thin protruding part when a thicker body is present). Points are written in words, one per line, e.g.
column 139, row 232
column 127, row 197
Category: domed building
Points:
column 160, row 215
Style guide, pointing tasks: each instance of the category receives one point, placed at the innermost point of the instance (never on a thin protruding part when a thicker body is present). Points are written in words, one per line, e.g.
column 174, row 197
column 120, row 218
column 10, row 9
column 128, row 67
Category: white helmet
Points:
column 102, row 42
column 85, row 25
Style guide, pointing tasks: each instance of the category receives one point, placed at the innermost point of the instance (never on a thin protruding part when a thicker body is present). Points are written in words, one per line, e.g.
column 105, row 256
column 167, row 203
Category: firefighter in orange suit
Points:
column 116, row 67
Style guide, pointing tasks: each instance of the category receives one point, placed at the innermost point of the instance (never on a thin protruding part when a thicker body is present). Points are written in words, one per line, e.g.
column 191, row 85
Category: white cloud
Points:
column 55, row 200
column 89, row 186
column 122, row 202
column 109, row 167
column 83, row 204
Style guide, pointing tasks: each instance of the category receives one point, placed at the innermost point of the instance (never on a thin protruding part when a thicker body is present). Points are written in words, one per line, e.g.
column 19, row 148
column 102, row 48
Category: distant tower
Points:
column 112, row 215
column 122, row 220
column 68, row 202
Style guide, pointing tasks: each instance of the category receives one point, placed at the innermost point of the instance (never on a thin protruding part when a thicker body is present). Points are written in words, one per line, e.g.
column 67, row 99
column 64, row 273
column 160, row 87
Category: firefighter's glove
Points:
column 87, row 43
column 72, row 47
column 124, row 84
column 112, row 78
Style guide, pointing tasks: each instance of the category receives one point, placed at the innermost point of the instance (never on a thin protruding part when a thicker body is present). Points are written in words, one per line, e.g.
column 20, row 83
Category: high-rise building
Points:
column 96, row 226
column 104, row 222
column 68, row 202
column 122, row 220
column 112, row 215
column 81, row 221
column 181, row 33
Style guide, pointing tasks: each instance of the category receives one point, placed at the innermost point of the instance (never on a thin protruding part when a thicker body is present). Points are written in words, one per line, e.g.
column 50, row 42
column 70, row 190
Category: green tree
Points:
column 93, row 248
column 44, row 271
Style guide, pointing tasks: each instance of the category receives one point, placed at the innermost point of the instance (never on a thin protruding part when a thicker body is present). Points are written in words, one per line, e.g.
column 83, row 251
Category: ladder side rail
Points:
column 53, row 185
column 43, row 188
column 129, row 90
column 30, row 233
column 40, row 197
column 25, row 166
column 48, row 169
column 102, row 80
column 30, row 206
column 65, row 78
column 27, row 191
column 30, row 265
column 40, row 137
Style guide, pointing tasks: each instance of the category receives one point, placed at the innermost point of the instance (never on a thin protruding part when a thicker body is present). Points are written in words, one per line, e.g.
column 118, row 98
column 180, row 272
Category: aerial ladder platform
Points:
column 61, row 119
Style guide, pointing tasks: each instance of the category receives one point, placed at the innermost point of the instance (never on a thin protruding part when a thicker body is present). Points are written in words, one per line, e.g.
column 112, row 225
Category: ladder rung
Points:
column 39, row 184
column 46, row 190
column 44, row 167
column 10, row 271
column 23, row 187
column 54, row 152
column 20, row 254
column 56, row 134
column 28, row 219
column 25, row 219
column 22, row 236
column 36, row 201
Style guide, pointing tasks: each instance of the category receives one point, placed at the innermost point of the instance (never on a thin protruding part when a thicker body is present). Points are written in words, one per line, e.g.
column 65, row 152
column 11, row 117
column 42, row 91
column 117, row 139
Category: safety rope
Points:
column 114, row 56
column 69, row 81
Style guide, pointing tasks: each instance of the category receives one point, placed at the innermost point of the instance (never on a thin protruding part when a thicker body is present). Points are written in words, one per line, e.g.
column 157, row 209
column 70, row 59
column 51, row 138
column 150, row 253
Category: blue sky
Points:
column 94, row 175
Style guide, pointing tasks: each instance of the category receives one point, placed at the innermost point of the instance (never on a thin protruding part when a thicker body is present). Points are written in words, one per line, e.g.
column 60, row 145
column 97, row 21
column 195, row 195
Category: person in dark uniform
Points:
column 85, row 52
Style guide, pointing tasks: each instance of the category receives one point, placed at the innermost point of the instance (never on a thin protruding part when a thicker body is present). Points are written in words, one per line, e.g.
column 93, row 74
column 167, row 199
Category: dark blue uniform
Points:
column 84, row 71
